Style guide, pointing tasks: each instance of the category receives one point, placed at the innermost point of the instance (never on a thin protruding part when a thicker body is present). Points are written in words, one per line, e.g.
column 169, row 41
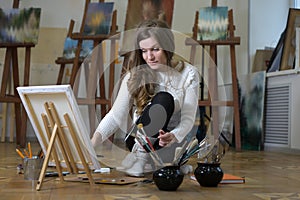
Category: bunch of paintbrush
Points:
column 145, row 142
column 188, row 150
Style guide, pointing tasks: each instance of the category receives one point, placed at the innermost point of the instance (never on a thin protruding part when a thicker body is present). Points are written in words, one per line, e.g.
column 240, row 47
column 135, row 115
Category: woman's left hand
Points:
column 165, row 138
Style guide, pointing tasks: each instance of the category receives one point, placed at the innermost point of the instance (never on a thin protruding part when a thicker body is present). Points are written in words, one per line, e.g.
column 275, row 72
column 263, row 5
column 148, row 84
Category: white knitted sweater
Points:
column 184, row 86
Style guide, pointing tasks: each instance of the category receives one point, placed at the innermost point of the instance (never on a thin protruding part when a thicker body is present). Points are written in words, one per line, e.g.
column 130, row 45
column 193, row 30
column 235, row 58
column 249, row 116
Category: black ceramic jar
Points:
column 208, row 174
column 168, row 178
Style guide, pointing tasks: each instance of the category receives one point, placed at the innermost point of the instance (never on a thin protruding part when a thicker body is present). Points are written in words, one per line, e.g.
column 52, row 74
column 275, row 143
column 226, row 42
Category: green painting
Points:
column 251, row 97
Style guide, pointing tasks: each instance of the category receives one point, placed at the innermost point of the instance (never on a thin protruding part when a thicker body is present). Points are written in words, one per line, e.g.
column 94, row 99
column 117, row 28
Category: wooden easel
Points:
column 10, row 117
column 214, row 102
column 80, row 37
column 91, row 74
column 11, row 63
column 55, row 131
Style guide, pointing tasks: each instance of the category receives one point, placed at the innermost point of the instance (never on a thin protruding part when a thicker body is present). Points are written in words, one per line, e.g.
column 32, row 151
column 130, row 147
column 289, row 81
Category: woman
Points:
column 162, row 92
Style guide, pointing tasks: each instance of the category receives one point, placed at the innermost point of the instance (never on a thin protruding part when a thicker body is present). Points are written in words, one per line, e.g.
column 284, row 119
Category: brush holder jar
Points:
column 168, row 178
column 208, row 174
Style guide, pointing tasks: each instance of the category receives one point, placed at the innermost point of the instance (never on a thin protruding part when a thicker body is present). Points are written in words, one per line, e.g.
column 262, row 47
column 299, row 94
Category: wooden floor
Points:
column 269, row 174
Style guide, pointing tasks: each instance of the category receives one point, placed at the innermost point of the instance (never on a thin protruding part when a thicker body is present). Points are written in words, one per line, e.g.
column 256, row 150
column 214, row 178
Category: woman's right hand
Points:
column 165, row 138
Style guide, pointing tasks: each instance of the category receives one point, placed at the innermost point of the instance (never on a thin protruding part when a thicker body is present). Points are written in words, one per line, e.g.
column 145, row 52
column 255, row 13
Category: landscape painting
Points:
column 70, row 47
column 252, row 97
column 98, row 18
column 19, row 25
column 213, row 23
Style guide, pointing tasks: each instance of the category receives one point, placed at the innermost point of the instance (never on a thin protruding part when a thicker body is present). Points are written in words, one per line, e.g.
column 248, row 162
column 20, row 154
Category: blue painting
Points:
column 213, row 23
column 98, row 18
column 70, row 47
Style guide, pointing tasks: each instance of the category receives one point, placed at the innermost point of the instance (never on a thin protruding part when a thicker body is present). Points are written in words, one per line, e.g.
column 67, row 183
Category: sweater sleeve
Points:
column 117, row 117
column 189, row 106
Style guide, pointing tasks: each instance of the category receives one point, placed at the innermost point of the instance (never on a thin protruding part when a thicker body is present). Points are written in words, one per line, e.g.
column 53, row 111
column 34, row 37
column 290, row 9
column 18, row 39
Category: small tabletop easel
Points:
column 55, row 131
column 231, row 41
column 11, row 63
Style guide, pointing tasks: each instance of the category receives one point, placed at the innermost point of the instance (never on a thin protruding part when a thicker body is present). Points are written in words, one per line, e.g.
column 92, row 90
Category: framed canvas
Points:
column 19, row 25
column 213, row 23
column 274, row 64
column 289, row 48
column 34, row 99
column 261, row 59
column 98, row 18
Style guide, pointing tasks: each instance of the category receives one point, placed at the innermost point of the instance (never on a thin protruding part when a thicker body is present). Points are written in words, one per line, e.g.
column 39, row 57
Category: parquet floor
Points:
column 269, row 174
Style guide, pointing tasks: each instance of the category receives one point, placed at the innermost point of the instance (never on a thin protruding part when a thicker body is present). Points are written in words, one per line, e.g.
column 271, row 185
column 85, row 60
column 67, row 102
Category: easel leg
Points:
column 235, row 100
column 54, row 152
column 12, row 123
column 3, row 116
column 62, row 137
column 11, row 113
column 75, row 140
column 46, row 161
column 60, row 142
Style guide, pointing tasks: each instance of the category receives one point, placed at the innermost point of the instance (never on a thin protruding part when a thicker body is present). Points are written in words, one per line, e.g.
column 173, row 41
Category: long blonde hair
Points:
column 142, row 81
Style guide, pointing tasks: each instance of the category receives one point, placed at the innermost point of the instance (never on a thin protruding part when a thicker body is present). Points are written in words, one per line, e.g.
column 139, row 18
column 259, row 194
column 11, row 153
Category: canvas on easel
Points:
column 97, row 21
column 213, row 23
column 231, row 41
column 139, row 10
column 98, row 18
column 60, row 129
column 70, row 47
column 19, row 25
column 19, row 28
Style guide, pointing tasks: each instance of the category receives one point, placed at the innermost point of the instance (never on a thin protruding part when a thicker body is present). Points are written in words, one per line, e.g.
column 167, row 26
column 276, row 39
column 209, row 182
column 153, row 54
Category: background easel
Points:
column 8, row 117
column 214, row 102
column 55, row 131
column 80, row 36
column 11, row 63
column 96, row 61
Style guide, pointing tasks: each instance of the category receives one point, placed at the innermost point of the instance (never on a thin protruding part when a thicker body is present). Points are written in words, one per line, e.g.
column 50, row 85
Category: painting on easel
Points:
column 98, row 18
column 213, row 23
column 139, row 10
column 71, row 45
column 19, row 25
